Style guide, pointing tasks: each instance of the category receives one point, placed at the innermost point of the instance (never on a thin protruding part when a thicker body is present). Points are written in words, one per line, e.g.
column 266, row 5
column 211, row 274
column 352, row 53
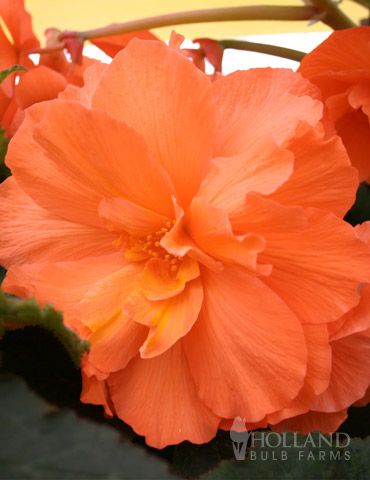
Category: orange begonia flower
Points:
column 192, row 232
column 340, row 67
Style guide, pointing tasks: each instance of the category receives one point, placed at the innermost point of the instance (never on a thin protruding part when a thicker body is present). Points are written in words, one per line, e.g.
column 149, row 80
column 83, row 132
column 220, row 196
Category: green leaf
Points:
column 4, row 170
column 15, row 313
column 309, row 459
column 39, row 442
column 6, row 73
column 191, row 461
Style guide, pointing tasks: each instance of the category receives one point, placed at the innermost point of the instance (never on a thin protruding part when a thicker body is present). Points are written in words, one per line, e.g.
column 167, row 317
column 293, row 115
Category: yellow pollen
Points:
column 142, row 248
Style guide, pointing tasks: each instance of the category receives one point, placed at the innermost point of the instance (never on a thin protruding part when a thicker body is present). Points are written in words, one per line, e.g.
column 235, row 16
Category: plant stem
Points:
column 262, row 48
column 279, row 13
column 332, row 15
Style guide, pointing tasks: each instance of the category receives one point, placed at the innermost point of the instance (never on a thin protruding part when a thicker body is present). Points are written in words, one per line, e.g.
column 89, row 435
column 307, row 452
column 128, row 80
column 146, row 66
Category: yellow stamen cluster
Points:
column 140, row 248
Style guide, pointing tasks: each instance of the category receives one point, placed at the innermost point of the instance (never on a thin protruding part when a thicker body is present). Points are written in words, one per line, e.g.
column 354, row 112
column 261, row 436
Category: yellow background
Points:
column 88, row 14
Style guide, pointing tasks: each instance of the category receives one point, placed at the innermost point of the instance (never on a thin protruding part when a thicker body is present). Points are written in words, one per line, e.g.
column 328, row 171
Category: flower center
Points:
column 141, row 248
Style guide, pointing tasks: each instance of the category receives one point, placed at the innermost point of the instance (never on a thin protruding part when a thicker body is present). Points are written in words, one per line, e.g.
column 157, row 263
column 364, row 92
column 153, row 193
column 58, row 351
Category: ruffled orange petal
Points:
column 364, row 400
column 163, row 388
column 247, row 357
column 20, row 280
column 356, row 320
column 159, row 281
column 170, row 319
column 363, row 231
column 95, row 388
column 135, row 220
column 323, row 261
column 311, row 421
column 43, row 181
column 330, row 185
column 107, row 295
column 350, row 376
column 253, row 104
column 116, row 341
column 75, row 73
column 339, row 52
column 32, row 234
column 262, row 168
column 145, row 86
column 210, row 229
column 103, row 160
column 263, row 215
column 177, row 242
column 318, row 373
column 75, row 279
column 115, row 338
column 37, row 85
column 91, row 77
column 359, row 97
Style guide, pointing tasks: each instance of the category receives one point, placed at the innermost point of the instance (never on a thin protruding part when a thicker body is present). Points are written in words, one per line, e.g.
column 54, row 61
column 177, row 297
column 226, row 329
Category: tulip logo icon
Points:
column 240, row 436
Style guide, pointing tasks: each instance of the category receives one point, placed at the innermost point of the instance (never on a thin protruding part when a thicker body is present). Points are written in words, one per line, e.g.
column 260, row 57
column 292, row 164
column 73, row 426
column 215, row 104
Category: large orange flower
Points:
column 340, row 66
column 192, row 232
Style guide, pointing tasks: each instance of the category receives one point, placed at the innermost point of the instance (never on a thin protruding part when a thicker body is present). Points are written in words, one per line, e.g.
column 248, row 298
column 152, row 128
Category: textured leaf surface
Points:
column 309, row 462
column 15, row 313
column 39, row 442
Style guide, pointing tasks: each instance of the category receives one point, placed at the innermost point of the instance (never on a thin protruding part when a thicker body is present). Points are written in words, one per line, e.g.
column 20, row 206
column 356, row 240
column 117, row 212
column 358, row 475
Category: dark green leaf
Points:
column 192, row 461
column 39, row 442
column 4, row 170
column 15, row 313
column 306, row 461
column 6, row 73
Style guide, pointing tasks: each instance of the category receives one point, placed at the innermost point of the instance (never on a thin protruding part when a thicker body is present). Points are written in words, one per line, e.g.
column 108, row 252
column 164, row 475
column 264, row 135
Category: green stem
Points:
column 262, row 48
column 15, row 313
column 279, row 13
column 330, row 14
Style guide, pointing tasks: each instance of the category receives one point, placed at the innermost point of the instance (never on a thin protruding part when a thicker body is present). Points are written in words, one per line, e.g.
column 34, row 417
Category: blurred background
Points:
column 89, row 14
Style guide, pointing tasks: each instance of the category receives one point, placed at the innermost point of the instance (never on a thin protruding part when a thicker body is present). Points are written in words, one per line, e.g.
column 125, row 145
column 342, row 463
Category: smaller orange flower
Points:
column 340, row 67
column 208, row 50
column 39, row 83
column 16, row 36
